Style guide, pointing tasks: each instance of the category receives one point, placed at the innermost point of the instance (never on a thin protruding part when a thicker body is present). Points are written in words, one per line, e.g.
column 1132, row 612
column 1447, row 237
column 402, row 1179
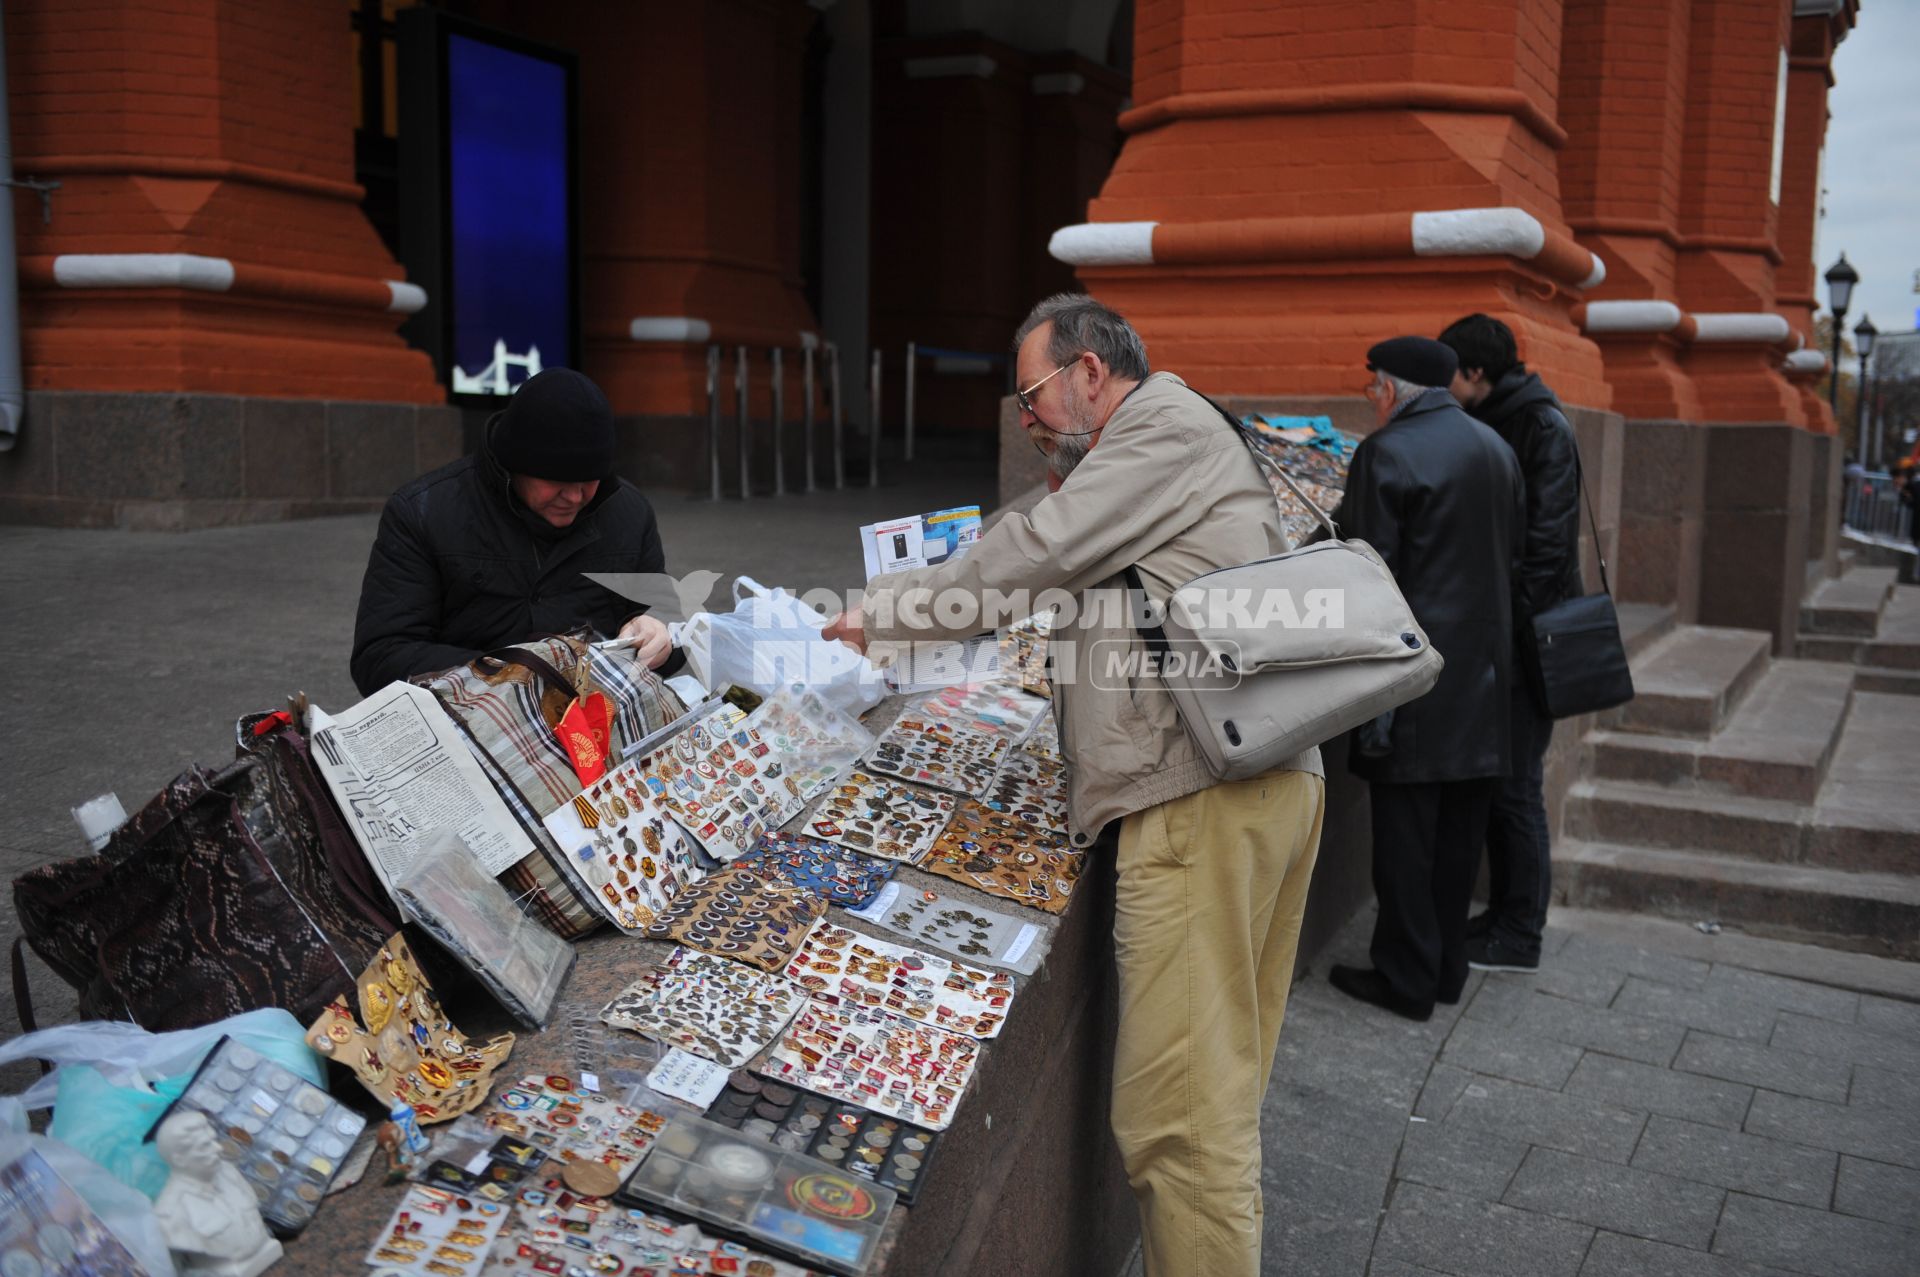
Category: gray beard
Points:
column 1069, row 450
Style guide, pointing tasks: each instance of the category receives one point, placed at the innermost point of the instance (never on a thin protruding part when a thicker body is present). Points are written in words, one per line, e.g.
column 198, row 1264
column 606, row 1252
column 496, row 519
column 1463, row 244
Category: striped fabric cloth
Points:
column 508, row 714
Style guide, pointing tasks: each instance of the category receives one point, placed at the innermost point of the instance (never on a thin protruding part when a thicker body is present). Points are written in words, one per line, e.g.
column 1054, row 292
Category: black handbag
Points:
column 1576, row 661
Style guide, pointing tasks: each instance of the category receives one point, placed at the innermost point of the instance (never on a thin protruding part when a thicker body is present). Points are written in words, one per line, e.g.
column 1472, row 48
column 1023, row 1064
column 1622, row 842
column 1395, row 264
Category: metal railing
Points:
column 811, row 358
column 915, row 353
column 1872, row 511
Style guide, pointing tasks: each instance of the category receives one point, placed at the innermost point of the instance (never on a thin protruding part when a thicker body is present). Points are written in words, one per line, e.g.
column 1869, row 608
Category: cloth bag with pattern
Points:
column 509, row 704
column 215, row 898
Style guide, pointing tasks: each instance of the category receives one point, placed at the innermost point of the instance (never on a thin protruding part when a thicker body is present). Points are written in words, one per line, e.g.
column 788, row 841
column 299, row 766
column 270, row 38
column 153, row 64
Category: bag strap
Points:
column 1599, row 550
column 23, row 996
column 540, row 666
column 1246, row 437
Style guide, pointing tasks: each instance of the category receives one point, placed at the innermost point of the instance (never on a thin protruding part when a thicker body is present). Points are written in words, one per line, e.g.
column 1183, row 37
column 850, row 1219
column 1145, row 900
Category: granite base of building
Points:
column 177, row 461
column 169, row 462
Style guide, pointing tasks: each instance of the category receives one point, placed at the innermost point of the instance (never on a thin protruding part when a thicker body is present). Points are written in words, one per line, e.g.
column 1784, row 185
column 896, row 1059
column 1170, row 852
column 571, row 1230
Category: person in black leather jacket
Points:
column 492, row 549
column 1438, row 496
column 1496, row 387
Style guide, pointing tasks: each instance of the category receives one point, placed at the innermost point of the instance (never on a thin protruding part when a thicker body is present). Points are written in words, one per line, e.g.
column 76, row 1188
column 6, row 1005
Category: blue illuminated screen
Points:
column 511, row 284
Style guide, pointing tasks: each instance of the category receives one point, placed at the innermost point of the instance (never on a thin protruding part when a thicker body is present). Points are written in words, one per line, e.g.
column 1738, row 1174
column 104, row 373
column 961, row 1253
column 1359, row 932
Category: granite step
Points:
column 1894, row 643
column 1877, row 678
column 1848, row 605
column 1690, row 681
column 1849, row 829
column 1868, row 913
column 1776, row 744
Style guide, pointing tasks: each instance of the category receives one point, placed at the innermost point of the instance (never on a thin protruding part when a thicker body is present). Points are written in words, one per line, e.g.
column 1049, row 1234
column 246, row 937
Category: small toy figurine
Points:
column 400, row 1158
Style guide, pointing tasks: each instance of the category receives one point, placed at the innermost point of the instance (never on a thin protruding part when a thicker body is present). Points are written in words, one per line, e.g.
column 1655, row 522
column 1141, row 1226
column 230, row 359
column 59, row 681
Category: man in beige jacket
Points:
column 1212, row 875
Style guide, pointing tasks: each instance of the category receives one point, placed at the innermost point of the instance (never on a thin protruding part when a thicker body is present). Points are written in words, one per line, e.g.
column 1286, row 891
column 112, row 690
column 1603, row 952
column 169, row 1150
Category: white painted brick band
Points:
column 1104, row 244
column 1741, row 326
column 143, row 270
column 1472, row 232
column 670, row 328
column 1633, row 317
column 407, row 298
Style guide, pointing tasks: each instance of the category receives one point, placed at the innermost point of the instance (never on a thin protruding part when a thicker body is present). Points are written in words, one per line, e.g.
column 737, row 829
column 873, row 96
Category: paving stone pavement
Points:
column 1632, row 1109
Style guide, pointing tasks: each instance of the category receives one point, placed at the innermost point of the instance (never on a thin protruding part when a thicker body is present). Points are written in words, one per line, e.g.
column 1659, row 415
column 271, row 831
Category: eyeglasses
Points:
column 1025, row 397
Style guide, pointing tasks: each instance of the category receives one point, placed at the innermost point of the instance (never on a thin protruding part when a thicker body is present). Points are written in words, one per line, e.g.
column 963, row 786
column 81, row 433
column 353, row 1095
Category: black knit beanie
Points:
column 557, row 426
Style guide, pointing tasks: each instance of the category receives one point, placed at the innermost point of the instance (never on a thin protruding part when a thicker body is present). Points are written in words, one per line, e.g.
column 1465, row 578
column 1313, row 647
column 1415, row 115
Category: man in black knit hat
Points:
column 492, row 549
column 1438, row 496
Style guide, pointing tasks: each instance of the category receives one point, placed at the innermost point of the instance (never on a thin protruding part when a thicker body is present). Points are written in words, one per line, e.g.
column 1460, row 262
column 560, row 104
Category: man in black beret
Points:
column 492, row 549
column 1438, row 495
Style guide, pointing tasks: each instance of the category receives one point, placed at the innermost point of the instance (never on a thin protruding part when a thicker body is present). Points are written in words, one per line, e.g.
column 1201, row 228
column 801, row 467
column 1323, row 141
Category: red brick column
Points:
column 207, row 235
column 1809, row 75
column 1729, row 218
column 1623, row 77
column 1296, row 184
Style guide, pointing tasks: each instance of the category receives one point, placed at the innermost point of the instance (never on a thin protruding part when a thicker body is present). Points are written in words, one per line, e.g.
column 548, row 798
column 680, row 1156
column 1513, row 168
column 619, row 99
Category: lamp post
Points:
column 1863, row 334
column 1841, row 277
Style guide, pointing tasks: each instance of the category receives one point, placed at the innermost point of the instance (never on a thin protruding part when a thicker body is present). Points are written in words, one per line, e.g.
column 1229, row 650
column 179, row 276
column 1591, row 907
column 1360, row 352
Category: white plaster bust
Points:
column 207, row 1213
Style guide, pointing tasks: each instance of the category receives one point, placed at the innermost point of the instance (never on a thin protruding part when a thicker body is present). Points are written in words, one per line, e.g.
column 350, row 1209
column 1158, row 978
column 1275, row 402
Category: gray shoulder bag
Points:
column 1273, row 657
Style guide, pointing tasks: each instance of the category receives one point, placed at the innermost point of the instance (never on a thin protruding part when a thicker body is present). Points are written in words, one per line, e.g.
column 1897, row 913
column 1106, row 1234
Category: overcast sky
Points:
column 1872, row 173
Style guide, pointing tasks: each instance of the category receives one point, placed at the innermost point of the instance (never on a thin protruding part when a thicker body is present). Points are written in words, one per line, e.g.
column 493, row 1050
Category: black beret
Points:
column 1420, row 360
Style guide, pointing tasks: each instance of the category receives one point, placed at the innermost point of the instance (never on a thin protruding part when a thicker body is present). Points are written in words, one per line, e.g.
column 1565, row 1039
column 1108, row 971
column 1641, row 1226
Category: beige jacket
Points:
column 1169, row 488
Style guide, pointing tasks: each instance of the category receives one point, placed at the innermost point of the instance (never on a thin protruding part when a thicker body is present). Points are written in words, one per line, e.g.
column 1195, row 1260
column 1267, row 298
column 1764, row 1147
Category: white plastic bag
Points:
column 115, row 1079
column 770, row 641
column 125, row 1213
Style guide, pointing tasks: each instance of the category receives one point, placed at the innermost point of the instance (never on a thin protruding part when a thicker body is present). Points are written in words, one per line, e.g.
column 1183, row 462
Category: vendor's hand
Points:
column 651, row 645
column 848, row 628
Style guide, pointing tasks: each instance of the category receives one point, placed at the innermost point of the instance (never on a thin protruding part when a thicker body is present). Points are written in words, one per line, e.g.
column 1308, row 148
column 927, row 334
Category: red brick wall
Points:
column 211, row 127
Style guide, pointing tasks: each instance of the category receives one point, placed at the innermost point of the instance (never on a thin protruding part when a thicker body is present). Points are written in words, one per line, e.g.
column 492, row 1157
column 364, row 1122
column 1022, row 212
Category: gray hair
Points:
column 1081, row 324
column 1404, row 391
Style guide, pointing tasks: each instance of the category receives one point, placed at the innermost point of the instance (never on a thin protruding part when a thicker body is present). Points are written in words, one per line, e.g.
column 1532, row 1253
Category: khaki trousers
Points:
column 1206, row 924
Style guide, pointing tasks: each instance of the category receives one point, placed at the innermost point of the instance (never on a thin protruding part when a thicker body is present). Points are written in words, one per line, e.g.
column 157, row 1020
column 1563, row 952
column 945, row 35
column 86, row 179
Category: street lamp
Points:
column 1863, row 334
column 1841, row 278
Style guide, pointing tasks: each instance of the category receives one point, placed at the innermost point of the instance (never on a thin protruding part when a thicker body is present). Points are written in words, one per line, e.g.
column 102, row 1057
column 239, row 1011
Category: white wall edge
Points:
column 1633, row 317
column 1474, row 232
column 143, row 270
column 1598, row 275
column 1741, row 326
column 670, row 328
column 1805, row 361
column 959, row 66
column 405, row 298
column 1055, row 83
column 1104, row 244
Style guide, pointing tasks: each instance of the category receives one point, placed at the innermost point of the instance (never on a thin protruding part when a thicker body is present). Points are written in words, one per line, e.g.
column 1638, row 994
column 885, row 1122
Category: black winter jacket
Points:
column 1528, row 416
column 1439, row 497
column 460, row 567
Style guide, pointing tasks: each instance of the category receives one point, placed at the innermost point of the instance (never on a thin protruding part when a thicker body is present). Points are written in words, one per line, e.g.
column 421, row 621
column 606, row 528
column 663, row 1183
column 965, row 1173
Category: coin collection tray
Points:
column 792, row 1203
column 717, row 1009
column 285, row 1136
column 870, row 1145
